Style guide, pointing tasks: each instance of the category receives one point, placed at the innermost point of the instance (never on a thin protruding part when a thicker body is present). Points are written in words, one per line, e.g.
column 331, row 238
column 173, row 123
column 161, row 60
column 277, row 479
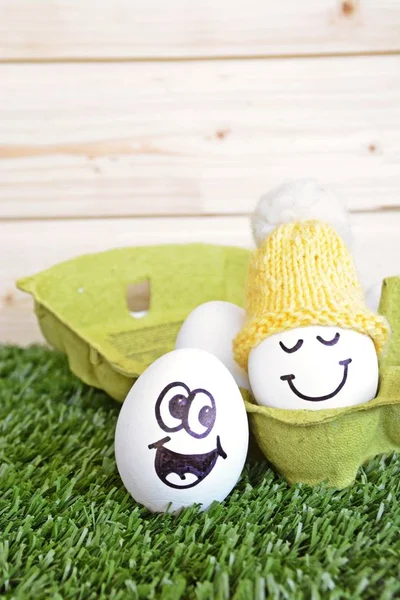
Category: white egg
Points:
column 373, row 296
column 314, row 368
column 182, row 433
column 212, row 327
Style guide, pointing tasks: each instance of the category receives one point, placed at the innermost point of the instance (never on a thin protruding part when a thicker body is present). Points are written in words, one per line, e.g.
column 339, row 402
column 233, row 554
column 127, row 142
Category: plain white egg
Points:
column 314, row 368
column 373, row 296
column 212, row 327
column 182, row 433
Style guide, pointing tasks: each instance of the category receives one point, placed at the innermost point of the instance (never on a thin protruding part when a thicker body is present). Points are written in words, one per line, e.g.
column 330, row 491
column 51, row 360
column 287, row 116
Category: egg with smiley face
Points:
column 182, row 433
column 314, row 368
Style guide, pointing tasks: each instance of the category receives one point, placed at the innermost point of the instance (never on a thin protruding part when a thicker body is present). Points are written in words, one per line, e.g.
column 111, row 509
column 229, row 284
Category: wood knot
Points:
column 349, row 7
column 221, row 134
column 9, row 299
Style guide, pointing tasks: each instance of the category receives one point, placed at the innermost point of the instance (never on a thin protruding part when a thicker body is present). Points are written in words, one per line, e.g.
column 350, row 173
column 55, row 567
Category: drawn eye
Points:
column 202, row 414
column 178, row 407
column 329, row 342
column 294, row 349
column 172, row 405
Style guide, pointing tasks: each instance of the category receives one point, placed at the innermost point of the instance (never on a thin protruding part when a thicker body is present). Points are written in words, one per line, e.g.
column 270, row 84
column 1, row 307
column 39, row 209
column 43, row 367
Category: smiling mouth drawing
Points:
column 289, row 379
column 199, row 465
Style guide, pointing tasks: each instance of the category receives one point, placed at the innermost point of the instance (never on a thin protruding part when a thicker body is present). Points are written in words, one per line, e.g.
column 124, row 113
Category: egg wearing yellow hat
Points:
column 301, row 276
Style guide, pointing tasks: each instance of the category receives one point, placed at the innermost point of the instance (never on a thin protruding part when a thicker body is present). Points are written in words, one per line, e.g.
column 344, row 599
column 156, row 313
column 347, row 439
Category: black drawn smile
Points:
column 168, row 462
column 289, row 379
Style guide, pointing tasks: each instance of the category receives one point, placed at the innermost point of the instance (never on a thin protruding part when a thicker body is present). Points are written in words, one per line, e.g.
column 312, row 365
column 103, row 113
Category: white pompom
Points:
column 299, row 200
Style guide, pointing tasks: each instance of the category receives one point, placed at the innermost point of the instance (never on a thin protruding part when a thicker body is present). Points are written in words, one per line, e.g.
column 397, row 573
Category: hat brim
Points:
column 258, row 329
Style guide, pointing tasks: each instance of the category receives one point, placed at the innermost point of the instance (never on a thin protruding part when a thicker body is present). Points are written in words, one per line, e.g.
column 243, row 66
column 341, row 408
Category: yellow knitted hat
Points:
column 302, row 275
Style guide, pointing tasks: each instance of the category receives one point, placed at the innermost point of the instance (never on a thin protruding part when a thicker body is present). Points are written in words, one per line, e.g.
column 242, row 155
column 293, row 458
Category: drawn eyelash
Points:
column 294, row 349
column 329, row 342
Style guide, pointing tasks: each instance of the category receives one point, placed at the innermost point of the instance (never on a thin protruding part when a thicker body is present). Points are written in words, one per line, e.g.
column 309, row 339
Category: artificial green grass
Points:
column 68, row 529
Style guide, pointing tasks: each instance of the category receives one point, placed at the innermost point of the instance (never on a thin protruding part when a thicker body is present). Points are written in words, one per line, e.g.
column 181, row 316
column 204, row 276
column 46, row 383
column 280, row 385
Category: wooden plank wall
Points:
column 126, row 123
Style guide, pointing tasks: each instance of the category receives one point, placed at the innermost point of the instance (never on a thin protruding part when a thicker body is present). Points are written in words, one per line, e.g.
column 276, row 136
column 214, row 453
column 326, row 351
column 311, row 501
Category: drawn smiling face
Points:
column 314, row 368
column 194, row 411
column 182, row 432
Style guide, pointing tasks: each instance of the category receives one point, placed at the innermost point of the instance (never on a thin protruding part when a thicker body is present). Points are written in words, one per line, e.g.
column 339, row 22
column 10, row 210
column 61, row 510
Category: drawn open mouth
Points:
column 191, row 469
column 289, row 379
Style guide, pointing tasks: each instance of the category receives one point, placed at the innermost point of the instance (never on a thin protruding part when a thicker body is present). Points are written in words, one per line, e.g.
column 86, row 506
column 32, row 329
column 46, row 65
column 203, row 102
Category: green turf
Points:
column 69, row 530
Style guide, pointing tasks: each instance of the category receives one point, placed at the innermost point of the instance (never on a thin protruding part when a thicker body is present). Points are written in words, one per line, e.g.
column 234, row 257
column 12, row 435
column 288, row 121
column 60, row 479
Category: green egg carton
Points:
column 83, row 309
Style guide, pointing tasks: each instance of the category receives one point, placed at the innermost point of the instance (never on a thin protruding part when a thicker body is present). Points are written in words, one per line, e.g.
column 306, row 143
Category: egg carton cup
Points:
column 330, row 445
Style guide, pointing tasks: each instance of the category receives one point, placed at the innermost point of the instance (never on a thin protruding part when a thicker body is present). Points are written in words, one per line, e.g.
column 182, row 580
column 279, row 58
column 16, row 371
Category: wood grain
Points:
column 192, row 138
column 32, row 246
column 105, row 29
